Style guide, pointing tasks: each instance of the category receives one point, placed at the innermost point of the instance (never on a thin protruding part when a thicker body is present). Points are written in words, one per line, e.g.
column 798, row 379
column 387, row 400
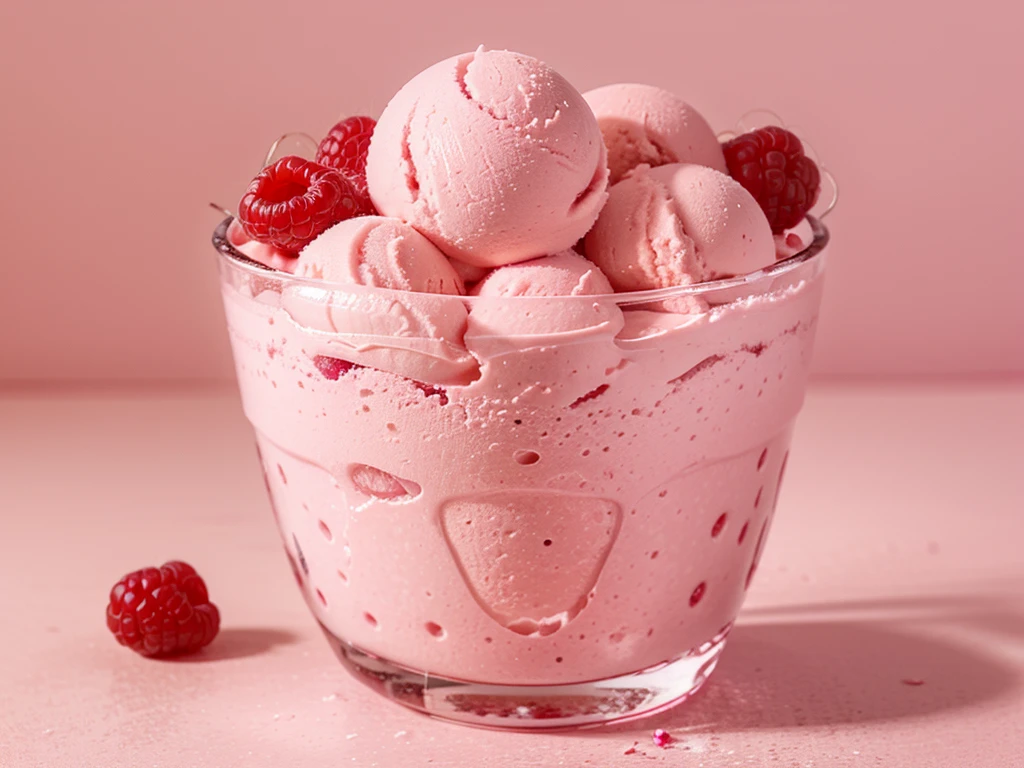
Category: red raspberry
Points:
column 333, row 368
column 771, row 165
column 292, row 201
column 162, row 611
column 345, row 146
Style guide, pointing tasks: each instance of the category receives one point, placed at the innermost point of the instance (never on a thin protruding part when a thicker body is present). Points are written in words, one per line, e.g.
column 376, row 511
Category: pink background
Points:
column 896, row 555
column 121, row 120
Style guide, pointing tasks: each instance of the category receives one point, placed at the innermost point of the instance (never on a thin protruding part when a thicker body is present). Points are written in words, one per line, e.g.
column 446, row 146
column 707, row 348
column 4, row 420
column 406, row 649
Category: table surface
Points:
column 886, row 626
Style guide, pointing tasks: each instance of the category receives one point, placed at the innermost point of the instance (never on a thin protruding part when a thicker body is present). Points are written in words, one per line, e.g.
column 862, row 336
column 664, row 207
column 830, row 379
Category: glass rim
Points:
column 235, row 259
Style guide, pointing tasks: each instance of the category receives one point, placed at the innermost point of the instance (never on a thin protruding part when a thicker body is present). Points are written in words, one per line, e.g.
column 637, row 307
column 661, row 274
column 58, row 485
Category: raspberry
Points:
column 432, row 390
column 292, row 201
column 345, row 146
column 333, row 368
column 594, row 393
column 162, row 611
column 771, row 165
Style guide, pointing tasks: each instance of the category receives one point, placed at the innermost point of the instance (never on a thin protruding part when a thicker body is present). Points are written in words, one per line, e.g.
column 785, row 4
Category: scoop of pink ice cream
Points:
column 678, row 225
column 543, row 306
column 644, row 124
column 267, row 255
column 414, row 329
column 380, row 252
column 564, row 274
column 493, row 155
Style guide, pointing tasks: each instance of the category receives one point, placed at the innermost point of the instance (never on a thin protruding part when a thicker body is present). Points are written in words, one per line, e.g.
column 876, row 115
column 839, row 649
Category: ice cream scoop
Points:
column 564, row 274
column 645, row 124
column 534, row 328
column 677, row 225
column 492, row 155
column 421, row 316
column 380, row 252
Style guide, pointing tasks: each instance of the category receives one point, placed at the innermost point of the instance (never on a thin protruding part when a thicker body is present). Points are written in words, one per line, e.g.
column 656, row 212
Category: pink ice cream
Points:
column 492, row 155
column 564, row 274
column 678, row 225
column 549, row 529
column 644, row 124
column 264, row 254
column 379, row 252
column 543, row 353
column 470, row 275
column 399, row 329
column 543, row 483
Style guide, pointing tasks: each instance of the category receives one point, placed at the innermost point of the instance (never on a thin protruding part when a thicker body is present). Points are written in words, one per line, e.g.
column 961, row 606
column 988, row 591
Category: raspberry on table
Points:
column 292, row 201
column 771, row 165
column 162, row 611
column 345, row 147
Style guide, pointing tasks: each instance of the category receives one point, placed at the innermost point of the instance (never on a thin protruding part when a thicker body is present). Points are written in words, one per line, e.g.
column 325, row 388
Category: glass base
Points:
column 535, row 707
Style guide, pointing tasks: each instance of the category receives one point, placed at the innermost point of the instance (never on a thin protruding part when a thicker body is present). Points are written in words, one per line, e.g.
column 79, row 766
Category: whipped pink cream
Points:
column 590, row 499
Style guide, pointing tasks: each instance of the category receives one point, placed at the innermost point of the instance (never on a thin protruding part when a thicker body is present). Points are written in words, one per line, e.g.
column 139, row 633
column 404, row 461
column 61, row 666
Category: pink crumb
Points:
column 912, row 681
column 632, row 750
column 662, row 738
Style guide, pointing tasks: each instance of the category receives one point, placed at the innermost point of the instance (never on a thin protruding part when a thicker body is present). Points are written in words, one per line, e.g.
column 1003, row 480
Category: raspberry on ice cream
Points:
column 771, row 165
column 642, row 124
column 292, row 201
column 492, row 155
column 344, row 148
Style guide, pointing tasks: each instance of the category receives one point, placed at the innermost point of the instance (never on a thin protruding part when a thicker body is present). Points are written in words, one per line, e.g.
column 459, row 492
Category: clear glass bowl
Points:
column 524, row 512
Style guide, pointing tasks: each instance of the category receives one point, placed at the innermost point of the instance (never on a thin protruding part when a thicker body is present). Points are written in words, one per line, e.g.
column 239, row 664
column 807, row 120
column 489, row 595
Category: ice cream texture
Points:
column 492, row 155
column 550, row 521
column 543, row 478
column 678, row 225
column 379, row 252
column 564, row 274
column 642, row 124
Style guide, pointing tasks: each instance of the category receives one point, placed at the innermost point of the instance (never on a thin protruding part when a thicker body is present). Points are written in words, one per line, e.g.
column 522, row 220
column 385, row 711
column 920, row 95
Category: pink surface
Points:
column 157, row 109
column 884, row 569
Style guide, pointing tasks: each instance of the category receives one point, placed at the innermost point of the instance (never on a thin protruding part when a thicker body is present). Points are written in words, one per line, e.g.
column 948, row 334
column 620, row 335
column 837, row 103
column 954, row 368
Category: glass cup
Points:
column 524, row 512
